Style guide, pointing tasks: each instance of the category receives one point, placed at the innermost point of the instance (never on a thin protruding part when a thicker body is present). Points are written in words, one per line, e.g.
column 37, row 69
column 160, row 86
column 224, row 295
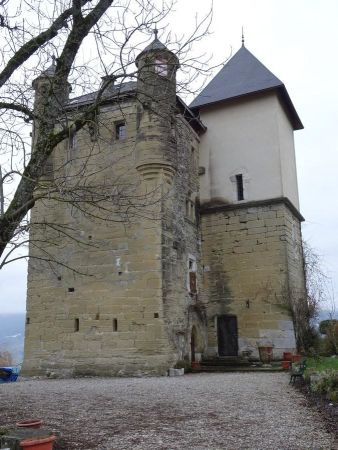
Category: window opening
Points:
column 161, row 67
column 114, row 324
column 240, row 187
column 72, row 139
column 192, row 279
column 120, row 130
column 76, row 325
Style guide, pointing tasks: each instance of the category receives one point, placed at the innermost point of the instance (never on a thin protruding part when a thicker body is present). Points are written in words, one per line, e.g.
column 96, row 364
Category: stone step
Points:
column 250, row 368
column 224, row 362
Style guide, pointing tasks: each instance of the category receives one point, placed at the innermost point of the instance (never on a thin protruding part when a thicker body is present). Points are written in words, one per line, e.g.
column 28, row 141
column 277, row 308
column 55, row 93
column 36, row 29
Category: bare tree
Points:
column 89, row 39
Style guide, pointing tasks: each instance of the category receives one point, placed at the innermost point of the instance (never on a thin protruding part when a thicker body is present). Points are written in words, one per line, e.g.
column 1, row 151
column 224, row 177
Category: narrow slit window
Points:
column 72, row 139
column 114, row 324
column 76, row 325
column 120, row 129
column 240, row 187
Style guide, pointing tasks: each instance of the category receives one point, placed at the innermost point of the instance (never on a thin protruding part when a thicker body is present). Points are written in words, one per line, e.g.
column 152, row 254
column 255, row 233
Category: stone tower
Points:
column 249, row 209
column 135, row 309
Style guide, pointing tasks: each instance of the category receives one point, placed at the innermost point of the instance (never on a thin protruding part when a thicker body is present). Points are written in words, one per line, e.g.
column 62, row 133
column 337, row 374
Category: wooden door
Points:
column 227, row 335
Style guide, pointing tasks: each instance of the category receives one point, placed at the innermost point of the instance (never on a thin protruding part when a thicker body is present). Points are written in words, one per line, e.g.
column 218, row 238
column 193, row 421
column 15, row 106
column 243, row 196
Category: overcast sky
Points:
column 298, row 41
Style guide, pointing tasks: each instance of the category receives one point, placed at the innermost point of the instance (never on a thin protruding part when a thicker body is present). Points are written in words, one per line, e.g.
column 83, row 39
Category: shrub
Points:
column 325, row 324
column 326, row 383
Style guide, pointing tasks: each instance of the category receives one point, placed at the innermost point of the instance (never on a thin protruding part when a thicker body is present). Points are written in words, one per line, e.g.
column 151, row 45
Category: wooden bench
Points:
column 297, row 372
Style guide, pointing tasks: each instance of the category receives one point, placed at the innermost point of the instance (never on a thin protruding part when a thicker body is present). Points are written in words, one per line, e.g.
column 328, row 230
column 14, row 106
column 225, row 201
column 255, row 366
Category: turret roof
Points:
column 243, row 75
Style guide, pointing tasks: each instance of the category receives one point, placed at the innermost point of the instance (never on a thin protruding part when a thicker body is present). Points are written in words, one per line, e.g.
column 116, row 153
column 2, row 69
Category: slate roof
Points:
column 116, row 91
column 244, row 75
column 129, row 88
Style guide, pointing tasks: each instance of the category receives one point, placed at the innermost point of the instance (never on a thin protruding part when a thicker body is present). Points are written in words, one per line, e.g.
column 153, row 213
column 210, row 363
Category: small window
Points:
column 192, row 283
column 190, row 210
column 72, row 139
column 114, row 324
column 120, row 130
column 76, row 325
column 240, row 187
column 161, row 67
column 192, row 277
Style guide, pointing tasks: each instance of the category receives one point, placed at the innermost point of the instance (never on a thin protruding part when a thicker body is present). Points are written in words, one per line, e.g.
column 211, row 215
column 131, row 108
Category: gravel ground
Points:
column 254, row 411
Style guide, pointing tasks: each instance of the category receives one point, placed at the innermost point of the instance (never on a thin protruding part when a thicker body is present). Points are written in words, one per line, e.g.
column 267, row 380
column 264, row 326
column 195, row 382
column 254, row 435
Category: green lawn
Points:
column 322, row 363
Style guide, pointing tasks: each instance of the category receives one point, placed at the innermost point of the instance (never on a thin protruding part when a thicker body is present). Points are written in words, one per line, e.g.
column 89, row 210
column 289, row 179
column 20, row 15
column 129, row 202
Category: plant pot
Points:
column 287, row 356
column 265, row 354
column 286, row 365
column 29, row 423
column 38, row 443
column 296, row 358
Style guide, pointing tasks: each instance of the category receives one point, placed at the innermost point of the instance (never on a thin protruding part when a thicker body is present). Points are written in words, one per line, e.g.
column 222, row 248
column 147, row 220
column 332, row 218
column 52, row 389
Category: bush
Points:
column 326, row 383
column 326, row 324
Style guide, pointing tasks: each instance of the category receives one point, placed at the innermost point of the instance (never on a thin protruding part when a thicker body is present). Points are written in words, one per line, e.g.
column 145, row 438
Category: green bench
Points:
column 297, row 372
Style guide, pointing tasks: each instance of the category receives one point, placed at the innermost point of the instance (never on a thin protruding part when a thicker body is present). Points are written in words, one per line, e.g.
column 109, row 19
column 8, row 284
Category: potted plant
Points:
column 265, row 349
column 38, row 443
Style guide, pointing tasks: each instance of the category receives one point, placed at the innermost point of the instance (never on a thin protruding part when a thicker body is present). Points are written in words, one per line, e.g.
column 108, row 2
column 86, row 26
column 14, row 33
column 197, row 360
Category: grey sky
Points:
column 298, row 41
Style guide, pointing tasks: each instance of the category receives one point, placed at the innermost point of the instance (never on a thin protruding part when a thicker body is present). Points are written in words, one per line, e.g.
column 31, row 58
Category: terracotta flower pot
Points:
column 286, row 365
column 38, row 443
column 287, row 356
column 296, row 358
column 30, row 423
column 265, row 354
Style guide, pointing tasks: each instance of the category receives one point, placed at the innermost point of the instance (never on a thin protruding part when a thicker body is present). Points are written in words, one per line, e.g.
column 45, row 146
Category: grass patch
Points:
column 321, row 363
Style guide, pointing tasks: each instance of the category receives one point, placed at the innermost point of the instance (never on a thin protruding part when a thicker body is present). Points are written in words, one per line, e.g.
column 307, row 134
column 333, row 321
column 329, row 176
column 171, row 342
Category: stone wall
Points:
column 106, row 317
column 117, row 302
column 249, row 267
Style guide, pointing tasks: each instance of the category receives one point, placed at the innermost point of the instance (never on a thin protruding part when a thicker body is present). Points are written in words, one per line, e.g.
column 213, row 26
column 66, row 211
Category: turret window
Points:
column 161, row 67
column 120, row 130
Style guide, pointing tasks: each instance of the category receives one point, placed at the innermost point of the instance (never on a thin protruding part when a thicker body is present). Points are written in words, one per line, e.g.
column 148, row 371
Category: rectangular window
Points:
column 120, row 131
column 161, row 67
column 192, row 283
column 240, row 187
column 192, row 275
column 190, row 210
column 72, row 139
column 76, row 325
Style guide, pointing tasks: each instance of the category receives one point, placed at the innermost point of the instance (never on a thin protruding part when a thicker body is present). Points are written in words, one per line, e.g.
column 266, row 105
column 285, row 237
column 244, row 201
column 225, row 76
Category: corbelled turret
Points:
column 156, row 87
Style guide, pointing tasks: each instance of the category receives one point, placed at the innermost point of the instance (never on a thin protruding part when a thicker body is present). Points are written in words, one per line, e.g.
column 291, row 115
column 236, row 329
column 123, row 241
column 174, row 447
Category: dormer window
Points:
column 161, row 67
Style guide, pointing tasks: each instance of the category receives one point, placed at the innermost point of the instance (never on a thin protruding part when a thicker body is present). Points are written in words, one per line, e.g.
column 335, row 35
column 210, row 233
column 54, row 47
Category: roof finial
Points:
column 242, row 37
column 155, row 30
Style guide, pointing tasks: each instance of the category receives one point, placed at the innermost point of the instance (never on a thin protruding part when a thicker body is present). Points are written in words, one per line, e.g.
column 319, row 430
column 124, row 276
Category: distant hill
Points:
column 12, row 333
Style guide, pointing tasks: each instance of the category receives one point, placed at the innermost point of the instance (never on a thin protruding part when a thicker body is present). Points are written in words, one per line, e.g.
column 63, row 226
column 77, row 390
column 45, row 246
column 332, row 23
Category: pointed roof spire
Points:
column 156, row 44
column 244, row 75
column 243, row 37
column 50, row 71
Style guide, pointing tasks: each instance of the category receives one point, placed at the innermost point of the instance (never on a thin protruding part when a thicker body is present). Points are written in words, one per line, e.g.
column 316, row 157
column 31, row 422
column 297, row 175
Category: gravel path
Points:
column 253, row 411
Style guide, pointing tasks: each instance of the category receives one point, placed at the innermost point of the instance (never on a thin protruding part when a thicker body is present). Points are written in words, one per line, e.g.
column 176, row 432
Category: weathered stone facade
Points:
column 154, row 270
column 249, row 267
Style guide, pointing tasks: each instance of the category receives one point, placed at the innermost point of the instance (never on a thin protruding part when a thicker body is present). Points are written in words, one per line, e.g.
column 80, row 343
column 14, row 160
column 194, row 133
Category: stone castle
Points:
column 199, row 256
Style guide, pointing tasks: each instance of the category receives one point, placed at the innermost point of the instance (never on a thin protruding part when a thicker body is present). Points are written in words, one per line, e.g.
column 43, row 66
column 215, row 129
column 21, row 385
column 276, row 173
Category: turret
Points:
column 156, row 87
column 49, row 100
